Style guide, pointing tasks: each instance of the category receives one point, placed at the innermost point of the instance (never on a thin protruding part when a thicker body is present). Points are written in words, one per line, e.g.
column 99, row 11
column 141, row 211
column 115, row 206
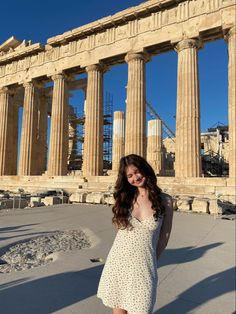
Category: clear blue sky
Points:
column 39, row 20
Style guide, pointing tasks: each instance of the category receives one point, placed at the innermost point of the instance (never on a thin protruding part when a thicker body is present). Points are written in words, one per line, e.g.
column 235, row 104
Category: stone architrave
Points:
column 42, row 134
column 118, row 145
column 135, row 126
column 93, row 141
column 7, row 133
column 231, row 38
column 58, row 147
column 154, row 145
column 28, row 143
column 187, row 155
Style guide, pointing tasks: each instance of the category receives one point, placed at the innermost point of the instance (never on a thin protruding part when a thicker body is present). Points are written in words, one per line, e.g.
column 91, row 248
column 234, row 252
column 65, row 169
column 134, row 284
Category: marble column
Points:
column 118, row 145
column 93, row 141
column 6, row 132
column 28, row 143
column 187, row 153
column 14, row 132
column 42, row 133
column 58, row 148
column 135, row 126
column 154, row 145
column 231, row 38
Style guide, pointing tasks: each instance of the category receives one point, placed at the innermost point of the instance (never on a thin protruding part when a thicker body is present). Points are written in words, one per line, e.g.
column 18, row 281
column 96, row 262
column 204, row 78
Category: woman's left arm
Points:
column 166, row 225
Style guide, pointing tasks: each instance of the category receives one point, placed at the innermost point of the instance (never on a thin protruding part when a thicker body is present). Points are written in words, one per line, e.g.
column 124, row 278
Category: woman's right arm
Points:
column 166, row 225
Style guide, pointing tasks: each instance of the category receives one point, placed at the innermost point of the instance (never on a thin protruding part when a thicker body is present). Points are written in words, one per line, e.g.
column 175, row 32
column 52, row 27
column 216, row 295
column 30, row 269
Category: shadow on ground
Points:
column 50, row 294
column 203, row 291
column 185, row 254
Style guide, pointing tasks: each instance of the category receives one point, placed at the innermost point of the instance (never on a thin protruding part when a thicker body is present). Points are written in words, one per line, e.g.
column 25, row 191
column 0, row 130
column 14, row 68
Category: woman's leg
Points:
column 119, row 311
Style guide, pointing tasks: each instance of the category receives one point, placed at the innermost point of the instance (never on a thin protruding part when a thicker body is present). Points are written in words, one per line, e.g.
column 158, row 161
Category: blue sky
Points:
column 39, row 20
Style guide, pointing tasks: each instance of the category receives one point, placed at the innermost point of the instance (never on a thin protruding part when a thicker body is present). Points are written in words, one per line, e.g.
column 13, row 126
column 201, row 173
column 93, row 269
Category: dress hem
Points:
column 112, row 306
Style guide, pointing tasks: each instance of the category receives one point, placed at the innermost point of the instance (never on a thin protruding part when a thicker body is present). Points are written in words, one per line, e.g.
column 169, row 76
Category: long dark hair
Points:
column 125, row 193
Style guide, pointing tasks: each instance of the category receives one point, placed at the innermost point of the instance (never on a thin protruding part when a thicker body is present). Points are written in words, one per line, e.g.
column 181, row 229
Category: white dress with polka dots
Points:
column 129, row 277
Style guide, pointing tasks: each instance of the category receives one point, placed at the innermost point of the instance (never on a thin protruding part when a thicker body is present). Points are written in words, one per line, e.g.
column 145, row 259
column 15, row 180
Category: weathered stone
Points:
column 200, row 205
column 150, row 26
column 184, row 204
column 110, row 200
column 35, row 199
column 51, row 200
column 78, row 197
column 95, row 198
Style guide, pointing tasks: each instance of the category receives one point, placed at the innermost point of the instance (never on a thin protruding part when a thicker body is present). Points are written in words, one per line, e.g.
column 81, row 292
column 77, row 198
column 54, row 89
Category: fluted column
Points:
column 28, row 144
column 231, row 38
column 154, row 145
column 135, row 126
column 118, row 145
column 58, row 148
column 14, row 141
column 6, row 130
column 42, row 134
column 187, row 153
column 93, row 141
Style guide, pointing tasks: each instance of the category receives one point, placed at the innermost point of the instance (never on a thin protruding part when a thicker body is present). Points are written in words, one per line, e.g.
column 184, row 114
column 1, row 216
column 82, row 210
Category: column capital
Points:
column 7, row 90
column 188, row 43
column 58, row 76
column 4, row 90
column 96, row 67
column 231, row 32
column 32, row 83
column 131, row 55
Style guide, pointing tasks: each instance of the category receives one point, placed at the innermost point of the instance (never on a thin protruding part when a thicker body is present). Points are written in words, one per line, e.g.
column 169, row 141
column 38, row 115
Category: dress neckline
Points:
column 142, row 219
column 149, row 217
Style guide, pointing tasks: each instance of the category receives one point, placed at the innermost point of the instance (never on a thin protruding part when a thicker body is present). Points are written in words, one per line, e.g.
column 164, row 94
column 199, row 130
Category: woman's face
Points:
column 134, row 176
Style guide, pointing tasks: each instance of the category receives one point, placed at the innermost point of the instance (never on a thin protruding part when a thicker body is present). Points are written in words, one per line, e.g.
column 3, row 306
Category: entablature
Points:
column 161, row 25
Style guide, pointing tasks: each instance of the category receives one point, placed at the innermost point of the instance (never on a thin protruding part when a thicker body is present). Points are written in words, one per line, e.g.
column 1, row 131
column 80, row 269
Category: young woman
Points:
column 143, row 217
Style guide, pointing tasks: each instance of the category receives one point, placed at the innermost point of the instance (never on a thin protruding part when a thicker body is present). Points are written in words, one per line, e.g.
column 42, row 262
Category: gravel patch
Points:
column 39, row 250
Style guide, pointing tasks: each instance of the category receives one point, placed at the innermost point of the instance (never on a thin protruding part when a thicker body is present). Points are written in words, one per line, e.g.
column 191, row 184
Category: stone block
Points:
column 200, row 205
column 78, row 197
column 35, row 199
column 184, row 204
column 51, row 200
column 95, row 198
column 213, row 207
column 109, row 199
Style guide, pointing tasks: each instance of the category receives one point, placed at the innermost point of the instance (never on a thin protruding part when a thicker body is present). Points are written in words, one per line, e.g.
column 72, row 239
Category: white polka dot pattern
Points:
column 129, row 277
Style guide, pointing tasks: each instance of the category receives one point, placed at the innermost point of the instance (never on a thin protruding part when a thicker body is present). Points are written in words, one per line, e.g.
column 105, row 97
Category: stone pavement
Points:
column 196, row 272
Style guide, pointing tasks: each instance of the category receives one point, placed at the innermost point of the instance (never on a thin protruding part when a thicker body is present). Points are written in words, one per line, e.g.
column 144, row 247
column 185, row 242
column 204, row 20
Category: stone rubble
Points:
column 39, row 250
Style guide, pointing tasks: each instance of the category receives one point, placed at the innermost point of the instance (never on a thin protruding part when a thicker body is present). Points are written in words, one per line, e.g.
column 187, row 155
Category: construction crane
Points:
column 166, row 129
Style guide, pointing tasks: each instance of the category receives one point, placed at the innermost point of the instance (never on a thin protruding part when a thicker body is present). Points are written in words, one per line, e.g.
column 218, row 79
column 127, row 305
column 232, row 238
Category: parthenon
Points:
column 131, row 36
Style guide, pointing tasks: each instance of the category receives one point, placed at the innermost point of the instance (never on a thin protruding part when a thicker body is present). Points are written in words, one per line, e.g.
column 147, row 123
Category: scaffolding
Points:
column 108, row 122
column 77, row 123
column 213, row 159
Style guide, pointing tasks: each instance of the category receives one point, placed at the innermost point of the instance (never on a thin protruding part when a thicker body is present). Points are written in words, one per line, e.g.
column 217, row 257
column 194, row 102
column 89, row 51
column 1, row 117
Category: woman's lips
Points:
column 139, row 179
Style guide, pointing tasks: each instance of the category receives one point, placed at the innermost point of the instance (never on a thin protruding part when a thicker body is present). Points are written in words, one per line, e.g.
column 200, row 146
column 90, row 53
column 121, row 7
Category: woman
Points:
column 143, row 217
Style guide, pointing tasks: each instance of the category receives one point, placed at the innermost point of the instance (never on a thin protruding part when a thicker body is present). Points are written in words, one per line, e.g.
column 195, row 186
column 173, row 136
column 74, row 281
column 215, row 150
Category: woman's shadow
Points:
column 203, row 291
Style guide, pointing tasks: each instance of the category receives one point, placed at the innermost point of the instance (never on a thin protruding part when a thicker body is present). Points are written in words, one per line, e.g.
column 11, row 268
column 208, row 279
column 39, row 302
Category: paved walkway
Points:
column 196, row 272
